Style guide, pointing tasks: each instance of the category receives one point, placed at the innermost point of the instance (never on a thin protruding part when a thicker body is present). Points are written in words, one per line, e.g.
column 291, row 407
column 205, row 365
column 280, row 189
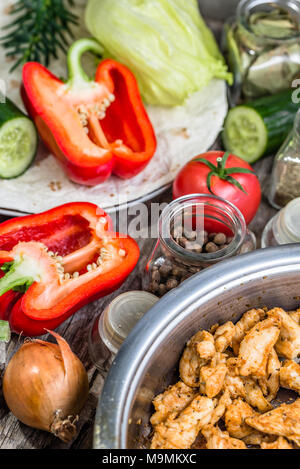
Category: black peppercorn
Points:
column 171, row 283
column 162, row 289
column 211, row 247
column 153, row 287
column 220, row 239
column 156, row 276
column 165, row 269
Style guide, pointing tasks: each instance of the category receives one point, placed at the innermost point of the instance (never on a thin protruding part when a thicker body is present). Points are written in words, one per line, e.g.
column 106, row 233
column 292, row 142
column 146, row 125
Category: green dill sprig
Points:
column 41, row 28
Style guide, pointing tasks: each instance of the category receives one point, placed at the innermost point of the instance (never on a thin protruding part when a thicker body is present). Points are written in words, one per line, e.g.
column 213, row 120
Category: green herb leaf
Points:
column 41, row 28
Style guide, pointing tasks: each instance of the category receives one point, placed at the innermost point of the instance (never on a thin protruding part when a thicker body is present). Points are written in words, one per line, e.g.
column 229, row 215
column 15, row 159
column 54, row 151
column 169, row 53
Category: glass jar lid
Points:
column 121, row 315
column 287, row 223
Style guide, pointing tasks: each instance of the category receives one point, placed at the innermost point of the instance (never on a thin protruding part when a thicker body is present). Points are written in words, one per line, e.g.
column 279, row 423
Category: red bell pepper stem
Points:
column 8, row 299
column 78, row 79
column 14, row 279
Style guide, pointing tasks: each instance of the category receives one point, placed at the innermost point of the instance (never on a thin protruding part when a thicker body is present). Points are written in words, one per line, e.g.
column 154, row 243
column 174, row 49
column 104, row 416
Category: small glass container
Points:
column 283, row 228
column 262, row 45
column 177, row 256
column 285, row 180
column 114, row 324
column 5, row 336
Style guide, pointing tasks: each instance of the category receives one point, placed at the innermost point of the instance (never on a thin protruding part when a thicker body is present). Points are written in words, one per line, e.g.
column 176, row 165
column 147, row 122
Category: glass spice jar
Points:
column 285, row 179
column 5, row 337
column 284, row 227
column 114, row 324
column 262, row 45
column 195, row 232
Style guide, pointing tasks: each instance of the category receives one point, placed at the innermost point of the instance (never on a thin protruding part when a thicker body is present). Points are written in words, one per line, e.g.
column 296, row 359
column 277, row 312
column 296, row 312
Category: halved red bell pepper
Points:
column 58, row 261
column 94, row 128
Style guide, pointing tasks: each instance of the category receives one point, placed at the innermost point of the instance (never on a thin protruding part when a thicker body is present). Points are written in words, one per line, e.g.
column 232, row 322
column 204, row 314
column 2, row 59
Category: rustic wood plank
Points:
column 14, row 434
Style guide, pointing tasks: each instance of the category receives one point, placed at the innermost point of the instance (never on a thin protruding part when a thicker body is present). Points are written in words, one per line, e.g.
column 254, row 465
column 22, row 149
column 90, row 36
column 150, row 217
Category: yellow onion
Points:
column 45, row 386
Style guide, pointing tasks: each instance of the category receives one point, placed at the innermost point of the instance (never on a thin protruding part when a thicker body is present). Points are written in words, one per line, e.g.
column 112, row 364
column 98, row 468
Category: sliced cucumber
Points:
column 18, row 141
column 245, row 134
column 259, row 127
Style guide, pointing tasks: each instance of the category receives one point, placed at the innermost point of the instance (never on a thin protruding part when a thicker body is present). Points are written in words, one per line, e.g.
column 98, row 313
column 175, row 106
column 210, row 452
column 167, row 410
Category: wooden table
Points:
column 13, row 434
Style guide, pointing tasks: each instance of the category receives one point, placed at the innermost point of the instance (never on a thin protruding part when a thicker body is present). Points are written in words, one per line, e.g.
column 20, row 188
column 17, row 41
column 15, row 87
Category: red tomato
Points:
column 192, row 179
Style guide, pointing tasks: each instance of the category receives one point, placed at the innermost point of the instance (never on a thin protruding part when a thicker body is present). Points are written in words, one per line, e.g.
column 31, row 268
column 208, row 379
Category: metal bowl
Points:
column 148, row 360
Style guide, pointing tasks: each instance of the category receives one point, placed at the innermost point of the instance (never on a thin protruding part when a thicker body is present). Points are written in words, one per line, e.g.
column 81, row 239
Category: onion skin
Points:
column 45, row 386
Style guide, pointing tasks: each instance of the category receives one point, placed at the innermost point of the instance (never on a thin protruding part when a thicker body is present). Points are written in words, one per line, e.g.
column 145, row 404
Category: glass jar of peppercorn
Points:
column 195, row 232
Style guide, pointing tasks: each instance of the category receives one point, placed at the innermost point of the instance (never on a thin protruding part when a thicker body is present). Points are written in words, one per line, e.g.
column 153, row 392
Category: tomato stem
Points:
column 222, row 172
column 220, row 168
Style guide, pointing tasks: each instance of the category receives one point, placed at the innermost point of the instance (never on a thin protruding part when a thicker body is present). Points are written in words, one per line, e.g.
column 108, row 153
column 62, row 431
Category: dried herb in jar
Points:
column 277, row 23
column 263, row 48
column 285, row 182
column 273, row 71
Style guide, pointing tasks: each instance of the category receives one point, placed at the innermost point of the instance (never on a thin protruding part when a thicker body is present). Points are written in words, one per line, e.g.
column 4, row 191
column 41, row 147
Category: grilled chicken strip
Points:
column 282, row 421
column 254, row 395
column 246, row 388
column 295, row 315
column 171, row 402
column 205, row 345
column 222, row 405
column 288, row 345
column 223, row 336
column 280, row 443
column 257, row 438
column 234, row 383
column 247, row 321
column 180, row 433
column 270, row 384
column 191, row 361
column 290, row 376
column 256, row 347
column 216, row 439
column 235, row 418
column 233, row 372
column 212, row 376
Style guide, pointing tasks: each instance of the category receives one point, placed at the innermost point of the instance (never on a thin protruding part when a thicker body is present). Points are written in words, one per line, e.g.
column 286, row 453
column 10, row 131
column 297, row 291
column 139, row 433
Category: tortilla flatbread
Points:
column 182, row 133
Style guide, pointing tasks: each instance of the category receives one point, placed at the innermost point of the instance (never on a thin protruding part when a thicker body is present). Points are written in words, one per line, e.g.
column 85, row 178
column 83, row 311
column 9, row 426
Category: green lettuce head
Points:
column 165, row 43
